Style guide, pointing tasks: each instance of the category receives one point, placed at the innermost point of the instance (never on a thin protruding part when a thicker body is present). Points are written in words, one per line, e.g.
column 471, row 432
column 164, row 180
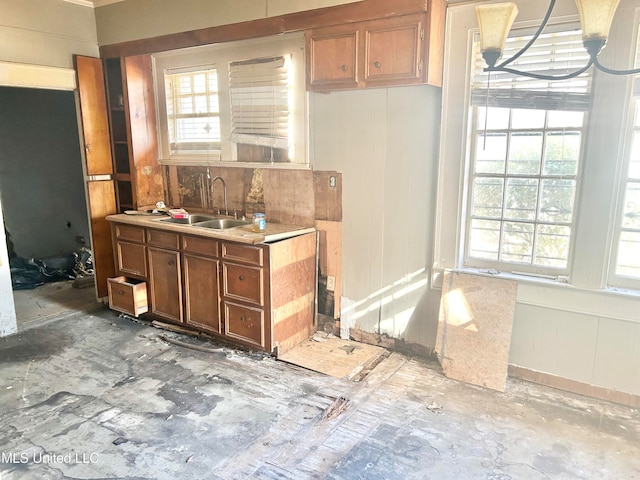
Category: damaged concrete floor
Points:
column 94, row 395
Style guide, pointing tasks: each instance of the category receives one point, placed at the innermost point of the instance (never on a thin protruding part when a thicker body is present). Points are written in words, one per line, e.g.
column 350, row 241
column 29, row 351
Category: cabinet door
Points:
column 101, row 196
column 201, row 292
column 132, row 259
column 393, row 51
column 332, row 59
column 165, row 284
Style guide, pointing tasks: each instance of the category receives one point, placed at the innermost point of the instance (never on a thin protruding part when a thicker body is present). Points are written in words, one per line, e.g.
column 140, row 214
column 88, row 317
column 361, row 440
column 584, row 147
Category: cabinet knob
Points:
column 170, row 262
column 242, row 319
column 344, row 68
column 241, row 277
column 377, row 64
column 120, row 292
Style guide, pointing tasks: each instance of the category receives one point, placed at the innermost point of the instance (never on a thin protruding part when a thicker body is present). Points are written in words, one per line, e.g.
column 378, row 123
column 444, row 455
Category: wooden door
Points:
column 202, row 294
column 332, row 59
column 165, row 284
column 393, row 50
column 98, row 168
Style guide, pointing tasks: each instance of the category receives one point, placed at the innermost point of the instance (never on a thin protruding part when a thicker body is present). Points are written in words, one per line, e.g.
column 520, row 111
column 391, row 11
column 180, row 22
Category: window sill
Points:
column 615, row 303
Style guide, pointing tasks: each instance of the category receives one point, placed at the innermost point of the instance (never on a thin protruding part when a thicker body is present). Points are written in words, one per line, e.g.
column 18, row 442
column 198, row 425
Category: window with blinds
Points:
column 193, row 111
column 241, row 101
column 260, row 98
column 526, row 147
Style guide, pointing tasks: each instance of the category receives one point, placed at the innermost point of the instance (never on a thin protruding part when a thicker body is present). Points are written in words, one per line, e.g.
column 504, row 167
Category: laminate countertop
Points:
column 242, row 234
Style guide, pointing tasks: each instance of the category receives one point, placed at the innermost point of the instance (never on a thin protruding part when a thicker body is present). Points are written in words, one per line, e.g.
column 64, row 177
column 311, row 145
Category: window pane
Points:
column 631, row 211
column 556, row 201
column 491, row 153
column 487, row 197
column 521, row 118
column 485, row 238
column 517, row 245
column 560, row 119
column 628, row 263
column 562, row 152
column 498, row 118
column 525, row 153
column 552, row 245
column 521, row 199
column 634, row 161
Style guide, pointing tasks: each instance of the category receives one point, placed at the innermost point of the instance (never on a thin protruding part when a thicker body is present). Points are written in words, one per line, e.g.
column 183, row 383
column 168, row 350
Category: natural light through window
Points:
column 525, row 157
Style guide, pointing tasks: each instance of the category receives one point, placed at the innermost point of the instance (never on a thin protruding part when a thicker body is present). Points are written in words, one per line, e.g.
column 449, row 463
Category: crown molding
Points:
column 93, row 3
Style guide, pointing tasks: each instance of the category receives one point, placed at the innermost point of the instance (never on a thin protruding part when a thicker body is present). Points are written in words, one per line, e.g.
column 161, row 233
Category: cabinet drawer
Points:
column 161, row 238
column 245, row 324
column 127, row 295
column 243, row 253
column 243, row 283
column 129, row 233
column 132, row 259
column 201, row 245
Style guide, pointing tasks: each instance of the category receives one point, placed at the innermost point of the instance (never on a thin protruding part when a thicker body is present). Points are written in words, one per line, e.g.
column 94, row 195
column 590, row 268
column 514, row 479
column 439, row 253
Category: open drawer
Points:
column 127, row 295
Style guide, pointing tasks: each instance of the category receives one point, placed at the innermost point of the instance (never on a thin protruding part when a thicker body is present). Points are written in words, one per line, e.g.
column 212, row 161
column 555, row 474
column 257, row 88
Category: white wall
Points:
column 384, row 141
column 7, row 308
column 582, row 331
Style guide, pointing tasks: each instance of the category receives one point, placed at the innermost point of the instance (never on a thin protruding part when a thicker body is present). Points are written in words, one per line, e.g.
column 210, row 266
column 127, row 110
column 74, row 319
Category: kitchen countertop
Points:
column 242, row 234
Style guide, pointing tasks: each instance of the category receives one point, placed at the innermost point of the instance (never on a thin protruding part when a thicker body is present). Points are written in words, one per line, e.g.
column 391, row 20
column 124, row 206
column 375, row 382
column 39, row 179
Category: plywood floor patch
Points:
column 333, row 356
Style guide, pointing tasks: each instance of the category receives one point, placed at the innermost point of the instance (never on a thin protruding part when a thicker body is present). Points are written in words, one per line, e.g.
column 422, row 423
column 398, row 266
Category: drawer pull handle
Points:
column 377, row 64
column 344, row 68
column 242, row 319
column 241, row 277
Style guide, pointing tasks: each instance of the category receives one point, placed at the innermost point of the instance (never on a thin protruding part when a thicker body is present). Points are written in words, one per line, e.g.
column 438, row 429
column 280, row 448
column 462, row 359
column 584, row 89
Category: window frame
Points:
column 219, row 56
column 575, row 98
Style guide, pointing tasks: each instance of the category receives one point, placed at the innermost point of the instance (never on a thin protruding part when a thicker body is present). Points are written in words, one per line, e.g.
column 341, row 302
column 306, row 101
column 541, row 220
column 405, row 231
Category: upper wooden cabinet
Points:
column 393, row 51
column 137, row 173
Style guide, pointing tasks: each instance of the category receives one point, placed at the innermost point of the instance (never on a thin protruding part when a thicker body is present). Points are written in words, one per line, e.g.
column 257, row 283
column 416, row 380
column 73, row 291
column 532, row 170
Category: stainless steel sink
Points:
column 191, row 220
column 221, row 223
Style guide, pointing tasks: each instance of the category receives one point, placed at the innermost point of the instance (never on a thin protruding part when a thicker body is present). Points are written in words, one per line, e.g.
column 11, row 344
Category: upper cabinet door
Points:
column 393, row 50
column 93, row 110
column 333, row 57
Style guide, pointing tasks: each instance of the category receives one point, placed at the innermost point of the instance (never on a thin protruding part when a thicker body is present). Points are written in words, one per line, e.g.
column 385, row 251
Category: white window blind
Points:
column 552, row 54
column 260, row 99
column 193, row 111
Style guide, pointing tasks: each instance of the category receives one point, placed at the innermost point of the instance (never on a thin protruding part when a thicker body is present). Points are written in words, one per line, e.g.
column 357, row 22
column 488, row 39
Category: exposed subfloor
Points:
column 95, row 395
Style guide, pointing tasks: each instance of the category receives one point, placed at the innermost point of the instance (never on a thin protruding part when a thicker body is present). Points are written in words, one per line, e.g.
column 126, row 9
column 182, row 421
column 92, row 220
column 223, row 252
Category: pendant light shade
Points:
column 495, row 21
column 596, row 17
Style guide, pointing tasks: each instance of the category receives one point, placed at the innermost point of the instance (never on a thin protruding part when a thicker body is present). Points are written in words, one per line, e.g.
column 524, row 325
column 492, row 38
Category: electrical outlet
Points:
column 331, row 283
column 332, row 181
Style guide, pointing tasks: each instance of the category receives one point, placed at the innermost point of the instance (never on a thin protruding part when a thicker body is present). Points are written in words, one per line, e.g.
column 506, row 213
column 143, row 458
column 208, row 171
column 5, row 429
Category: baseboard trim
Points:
column 574, row 386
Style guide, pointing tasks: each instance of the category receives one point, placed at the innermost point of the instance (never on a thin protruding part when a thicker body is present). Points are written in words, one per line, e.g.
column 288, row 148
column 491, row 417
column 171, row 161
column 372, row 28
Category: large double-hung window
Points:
column 526, row 146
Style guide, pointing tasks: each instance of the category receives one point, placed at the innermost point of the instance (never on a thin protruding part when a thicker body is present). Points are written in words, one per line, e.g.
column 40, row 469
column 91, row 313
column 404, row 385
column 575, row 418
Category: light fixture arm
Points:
column 533, row 39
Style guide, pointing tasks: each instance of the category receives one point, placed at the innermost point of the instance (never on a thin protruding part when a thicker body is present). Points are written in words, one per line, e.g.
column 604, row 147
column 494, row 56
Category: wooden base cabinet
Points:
column 261, row 296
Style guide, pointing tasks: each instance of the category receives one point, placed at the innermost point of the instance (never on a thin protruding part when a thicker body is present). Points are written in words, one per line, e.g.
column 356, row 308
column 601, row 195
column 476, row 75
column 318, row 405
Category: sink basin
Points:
column 221, row 223
column 191, row 220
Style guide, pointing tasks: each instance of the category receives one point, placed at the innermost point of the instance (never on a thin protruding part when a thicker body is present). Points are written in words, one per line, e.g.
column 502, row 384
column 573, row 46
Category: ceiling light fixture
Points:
column 495, row 21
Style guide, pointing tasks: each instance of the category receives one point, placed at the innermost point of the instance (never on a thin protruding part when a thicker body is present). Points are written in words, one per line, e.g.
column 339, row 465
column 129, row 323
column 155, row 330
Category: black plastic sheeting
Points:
column 31, row 273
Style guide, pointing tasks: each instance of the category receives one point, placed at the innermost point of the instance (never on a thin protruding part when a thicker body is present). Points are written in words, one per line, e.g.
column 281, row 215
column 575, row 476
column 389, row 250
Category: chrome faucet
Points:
column 224, row 185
